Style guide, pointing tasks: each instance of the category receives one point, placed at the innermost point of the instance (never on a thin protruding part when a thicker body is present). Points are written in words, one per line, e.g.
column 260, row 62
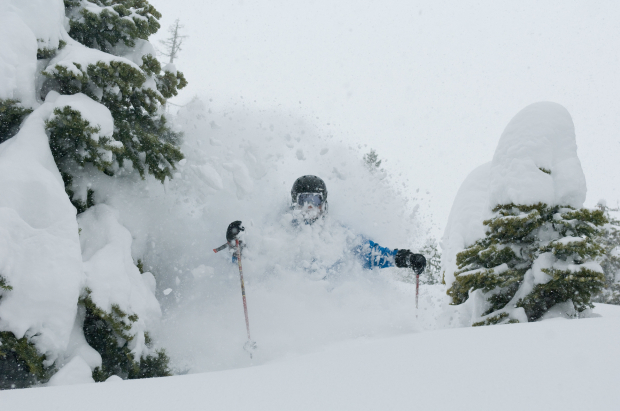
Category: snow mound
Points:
column 46, row 19
column 18, row 58
column 39, row 244
column 26, row 26
column 536, row 160
column 76, row 371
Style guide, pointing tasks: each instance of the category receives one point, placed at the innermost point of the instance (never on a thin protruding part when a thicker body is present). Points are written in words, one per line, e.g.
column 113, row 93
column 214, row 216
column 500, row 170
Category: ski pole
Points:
column 417, row 292
column 250, row 345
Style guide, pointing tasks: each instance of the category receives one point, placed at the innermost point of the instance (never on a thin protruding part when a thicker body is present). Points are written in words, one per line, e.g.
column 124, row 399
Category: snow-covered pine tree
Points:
column 118, row 70
column 108, row 118
column 540, row 247
column 609, row 239
column 556, row 243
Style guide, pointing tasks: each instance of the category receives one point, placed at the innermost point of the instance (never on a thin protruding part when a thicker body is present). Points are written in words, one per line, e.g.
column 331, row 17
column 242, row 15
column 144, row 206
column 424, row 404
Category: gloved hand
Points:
column 407, row 259
column 233, row 231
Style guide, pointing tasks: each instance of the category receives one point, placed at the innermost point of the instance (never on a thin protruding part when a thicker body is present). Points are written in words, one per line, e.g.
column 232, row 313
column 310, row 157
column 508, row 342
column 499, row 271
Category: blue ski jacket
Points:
column 373, row 255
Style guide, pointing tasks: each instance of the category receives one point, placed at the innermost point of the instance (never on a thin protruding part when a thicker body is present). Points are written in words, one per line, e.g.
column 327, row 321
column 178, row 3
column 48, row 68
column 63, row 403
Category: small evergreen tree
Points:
column 519, row 235
column 371, row 160
column 432, row 273
column 609, row 239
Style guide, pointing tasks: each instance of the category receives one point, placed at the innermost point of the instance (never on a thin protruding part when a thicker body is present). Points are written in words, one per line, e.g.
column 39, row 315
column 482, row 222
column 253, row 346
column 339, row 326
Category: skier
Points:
column 309, row 204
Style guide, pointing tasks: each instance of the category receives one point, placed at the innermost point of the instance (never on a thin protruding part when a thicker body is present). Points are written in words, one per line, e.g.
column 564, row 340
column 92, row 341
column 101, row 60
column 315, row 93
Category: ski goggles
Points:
column 310, row 198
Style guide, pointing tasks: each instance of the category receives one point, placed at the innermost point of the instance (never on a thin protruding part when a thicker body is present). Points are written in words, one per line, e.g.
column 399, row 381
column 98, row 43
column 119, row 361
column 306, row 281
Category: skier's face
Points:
column 311, row 205
column 310, row 200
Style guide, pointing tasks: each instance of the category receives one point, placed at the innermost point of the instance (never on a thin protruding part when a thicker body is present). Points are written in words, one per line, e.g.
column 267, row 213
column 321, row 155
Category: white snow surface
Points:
column 46, row 19
column 541, row 136
column 39, row 244
column 18, row 57
column 25, row 26
column 554, row 364
column 76, row 371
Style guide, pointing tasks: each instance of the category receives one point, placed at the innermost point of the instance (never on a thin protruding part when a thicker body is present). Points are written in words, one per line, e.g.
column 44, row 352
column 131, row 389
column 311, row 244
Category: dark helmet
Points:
column 308, row 184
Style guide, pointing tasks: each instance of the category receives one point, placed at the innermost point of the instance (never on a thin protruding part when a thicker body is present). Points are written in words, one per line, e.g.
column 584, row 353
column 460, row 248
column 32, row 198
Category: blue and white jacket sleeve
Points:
column 373, row 255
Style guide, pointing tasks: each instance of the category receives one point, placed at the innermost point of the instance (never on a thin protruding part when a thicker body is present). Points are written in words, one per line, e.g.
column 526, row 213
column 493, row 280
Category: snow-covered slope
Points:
column 555, row 365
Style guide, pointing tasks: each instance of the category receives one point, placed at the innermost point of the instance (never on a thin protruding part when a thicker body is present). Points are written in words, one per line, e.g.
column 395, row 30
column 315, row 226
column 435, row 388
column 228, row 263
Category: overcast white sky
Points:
column 429, row 84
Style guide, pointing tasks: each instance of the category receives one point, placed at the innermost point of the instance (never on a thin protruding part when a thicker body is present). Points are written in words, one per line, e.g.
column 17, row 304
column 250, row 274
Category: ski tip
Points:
column 215, row 250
